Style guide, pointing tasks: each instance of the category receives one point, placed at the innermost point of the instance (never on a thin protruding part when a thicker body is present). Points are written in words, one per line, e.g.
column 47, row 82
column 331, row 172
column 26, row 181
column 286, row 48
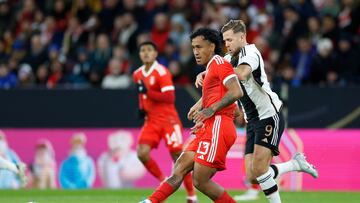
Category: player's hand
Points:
column 201, row 116
column 192, row 111
column 200, row 79
column 196, row 127
column 141, row 114
column 141, row 88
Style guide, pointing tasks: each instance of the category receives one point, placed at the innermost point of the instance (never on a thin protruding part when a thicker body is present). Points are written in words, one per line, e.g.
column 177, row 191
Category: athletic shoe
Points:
column 305, row 166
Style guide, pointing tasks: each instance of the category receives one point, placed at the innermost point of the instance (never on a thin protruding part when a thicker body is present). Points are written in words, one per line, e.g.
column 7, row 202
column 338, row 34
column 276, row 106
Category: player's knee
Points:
column 251, row 177
column 259, row 167
column 198, row 182
column 143, row 155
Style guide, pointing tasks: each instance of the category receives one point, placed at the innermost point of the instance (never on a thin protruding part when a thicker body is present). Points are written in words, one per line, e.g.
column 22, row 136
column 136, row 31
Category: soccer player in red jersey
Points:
column 213, row 116
column 157, row 106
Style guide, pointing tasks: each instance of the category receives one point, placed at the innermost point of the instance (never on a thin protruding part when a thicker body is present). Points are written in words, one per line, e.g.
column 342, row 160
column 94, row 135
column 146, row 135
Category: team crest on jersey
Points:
column 152, row 80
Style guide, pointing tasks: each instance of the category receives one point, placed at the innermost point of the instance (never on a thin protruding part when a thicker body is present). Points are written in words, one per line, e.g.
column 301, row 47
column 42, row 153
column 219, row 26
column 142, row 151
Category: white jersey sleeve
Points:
column 249, row 57
column 227, row 58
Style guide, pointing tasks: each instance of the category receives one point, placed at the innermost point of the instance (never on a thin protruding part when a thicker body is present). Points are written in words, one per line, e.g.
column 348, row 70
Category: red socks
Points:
column 189, row 185
column 154, row 169
column 225, row 198
column 161, row 193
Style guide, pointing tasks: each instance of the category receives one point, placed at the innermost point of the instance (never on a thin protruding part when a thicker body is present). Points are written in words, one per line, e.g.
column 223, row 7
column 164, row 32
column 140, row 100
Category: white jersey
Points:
column 259, row 101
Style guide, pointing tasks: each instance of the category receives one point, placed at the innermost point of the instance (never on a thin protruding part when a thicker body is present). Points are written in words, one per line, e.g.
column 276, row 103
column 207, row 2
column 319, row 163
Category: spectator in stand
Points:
column 116, row 79
column 160, row 31
column 80, row 23
column 170, row 53
column 75, row 37
column 99, row 58
column 180, row 29
column 7, row 79
column 301, row 59
column 79, row 73
column 324, row 63
column 37, row 54
column 26, row 76
column 42, row 75
column 56, row 76
column 347, row 60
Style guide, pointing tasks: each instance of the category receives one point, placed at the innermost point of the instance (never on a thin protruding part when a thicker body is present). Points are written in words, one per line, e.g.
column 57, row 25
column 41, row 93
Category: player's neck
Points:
column 148, row 65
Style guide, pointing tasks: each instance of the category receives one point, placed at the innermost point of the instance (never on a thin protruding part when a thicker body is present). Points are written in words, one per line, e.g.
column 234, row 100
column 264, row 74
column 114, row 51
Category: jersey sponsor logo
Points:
column 265, row 140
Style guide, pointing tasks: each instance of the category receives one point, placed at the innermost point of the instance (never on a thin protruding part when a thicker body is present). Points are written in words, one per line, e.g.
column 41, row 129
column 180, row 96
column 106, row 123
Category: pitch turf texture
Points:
column 135, row 195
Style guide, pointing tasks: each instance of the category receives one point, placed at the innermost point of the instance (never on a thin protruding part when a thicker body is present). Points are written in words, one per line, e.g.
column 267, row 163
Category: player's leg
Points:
column 202, row 181
column 252, row 193
column 143, row 152
column 260, row 169
column 219, row 136
column 183, row 165
column 173, row 138
column 297, row 163
column 188, row 183
column 149, row 139
column 267, row 138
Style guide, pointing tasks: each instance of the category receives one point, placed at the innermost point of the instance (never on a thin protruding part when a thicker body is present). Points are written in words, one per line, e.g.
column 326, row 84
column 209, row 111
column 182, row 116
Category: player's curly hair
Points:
column 210, row 35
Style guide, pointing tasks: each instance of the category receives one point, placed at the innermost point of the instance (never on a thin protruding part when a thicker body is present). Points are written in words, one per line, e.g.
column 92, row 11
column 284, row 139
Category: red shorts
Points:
column 152, row 132
column 213, row 141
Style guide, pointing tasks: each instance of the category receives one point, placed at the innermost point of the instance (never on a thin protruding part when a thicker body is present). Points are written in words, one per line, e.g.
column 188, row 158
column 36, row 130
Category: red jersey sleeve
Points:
column 166, row 83
column 225, row 72
column 167, row 93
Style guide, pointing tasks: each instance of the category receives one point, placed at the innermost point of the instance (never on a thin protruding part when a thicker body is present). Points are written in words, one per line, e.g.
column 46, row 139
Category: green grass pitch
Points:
column 135, row 195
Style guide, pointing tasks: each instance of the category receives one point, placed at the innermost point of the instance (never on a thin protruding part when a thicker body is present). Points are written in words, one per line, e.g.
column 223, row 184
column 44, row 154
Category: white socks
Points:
column 269, row 187
column 281, row 168
column 5, row 164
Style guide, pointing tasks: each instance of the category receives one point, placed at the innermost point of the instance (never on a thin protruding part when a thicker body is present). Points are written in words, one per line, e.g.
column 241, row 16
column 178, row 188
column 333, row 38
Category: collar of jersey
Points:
column 208, row 64
column 150, row 70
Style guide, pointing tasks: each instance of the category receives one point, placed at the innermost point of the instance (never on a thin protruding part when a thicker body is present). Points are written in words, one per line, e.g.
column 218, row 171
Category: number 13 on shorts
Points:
column 203, row 147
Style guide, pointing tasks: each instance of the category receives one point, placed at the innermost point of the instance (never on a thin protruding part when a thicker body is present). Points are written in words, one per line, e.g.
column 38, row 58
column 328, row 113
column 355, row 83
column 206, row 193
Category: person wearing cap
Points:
column 119, row 166
column 78, row 170
column 44, row 166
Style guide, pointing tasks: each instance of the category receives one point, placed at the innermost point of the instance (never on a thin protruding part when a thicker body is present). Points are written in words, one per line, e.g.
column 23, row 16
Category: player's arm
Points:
column 243, row 71
column 247, row 64
column 196, row 107
column 200, row 79
column 165, row 95
column 234, row 92
column 239, row 116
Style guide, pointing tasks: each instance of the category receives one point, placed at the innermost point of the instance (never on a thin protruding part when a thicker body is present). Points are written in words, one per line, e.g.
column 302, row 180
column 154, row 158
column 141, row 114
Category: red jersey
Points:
column 158, row 79
column 218, row 72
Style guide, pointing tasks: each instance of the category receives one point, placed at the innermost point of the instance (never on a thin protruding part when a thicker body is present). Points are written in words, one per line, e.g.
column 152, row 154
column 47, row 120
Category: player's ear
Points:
column 212, row 47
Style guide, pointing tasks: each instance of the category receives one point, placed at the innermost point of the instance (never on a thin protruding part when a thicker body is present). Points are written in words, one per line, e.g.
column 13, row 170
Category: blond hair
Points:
column 235, row 25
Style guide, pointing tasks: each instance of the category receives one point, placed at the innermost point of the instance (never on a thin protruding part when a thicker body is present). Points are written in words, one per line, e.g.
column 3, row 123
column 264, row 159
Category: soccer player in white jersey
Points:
column 262, row 107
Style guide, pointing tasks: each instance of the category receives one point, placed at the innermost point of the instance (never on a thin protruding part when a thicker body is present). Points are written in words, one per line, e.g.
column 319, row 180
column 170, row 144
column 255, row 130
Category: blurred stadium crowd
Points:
column 93, row 43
